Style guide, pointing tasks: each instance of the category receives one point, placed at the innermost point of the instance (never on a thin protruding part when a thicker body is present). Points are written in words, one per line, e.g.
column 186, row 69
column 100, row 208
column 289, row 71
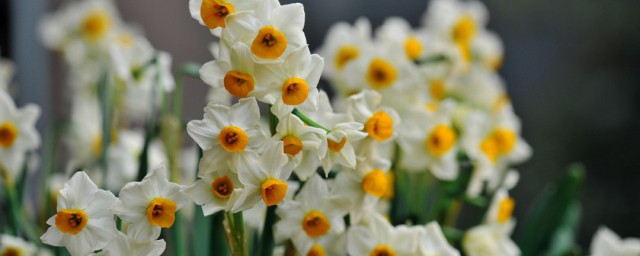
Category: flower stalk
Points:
column 234, row 226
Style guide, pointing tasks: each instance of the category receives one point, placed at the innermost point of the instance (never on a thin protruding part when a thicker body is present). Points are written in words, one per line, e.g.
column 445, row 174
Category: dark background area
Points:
column 572, row 69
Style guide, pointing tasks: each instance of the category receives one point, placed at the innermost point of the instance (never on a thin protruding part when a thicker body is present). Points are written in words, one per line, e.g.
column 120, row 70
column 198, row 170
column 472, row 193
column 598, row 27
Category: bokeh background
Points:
column 572, row 69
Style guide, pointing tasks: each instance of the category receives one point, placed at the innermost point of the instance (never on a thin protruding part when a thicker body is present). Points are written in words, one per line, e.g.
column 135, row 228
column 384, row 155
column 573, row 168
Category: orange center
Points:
column 345, row 54
column 273, row 191
column 336, row 146
column 8, row 134
column 233, row 139
column 292, row 145
column 222, row 187
column 375, row 183
column 294, row 91
column 382, row 250
column 238, row 84
column 379, row 126
column 71, row 221
column 213, row 13
column 315, row 224
column 161, row 212
column 381, row 74
column 316, row 250
column 269, row 43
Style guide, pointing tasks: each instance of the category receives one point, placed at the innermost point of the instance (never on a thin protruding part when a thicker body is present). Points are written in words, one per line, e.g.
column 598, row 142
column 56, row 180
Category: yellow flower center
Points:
column 269, row 43
column 12, row 251
column 389, row 193
column 222, row 187
column 413, row 48
column 505, row 209
column 382, row 250
column 381, row 74
column 161, row 212
column 315, row 224
column 71, row 221
column 8, row 134
column 375, row 183
column 97, row 144
column 464, row 30
column 294, row 91
column 502, row 101
column 95, row 25
column 233, row 139
column 273, row 191
column 465, row 51
column 316, row 250
column 441, row 140
column 125, row 40
column 345, row 54
column 489, row 148
column 238, row 84
column 336, row 146
column 379, row 126
column 292, row 145
column 431, row 106
column 213, row 13
column 437, row 88
column 505, row 140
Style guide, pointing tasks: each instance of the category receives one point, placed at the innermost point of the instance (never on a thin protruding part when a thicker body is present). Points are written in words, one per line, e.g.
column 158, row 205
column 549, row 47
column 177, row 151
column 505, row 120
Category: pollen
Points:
column 233, row 139
column 437, row 89
column 292, row 145
column 382, row 250
column 336, row 146
column 381, row 74
column 161, row 212
column 375, row 183
column 222, row 187
column 95, row 25
column 316, row 250
column 8, row 134
column 273, row 191
column 464, row 30
column 213, row 13
column 238, row 84
column 346, row 54
column 412, row 47
column 294, row 91
column 505, row 209
column 315, row 224
column 71, row 221
column 269, row 43
column 379, row 126
column 489, row 148
column 505, row 140
column 440, row 140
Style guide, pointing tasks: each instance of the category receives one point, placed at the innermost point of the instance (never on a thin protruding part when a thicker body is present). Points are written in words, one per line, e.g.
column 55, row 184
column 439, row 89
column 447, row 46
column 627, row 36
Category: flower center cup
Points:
column 238, row 84
column 381, row 74
column 222, row 187
column 315, row 224
column 294, row 91
column 161, row 212
column 375, row 183
column 316, row 250
column 292, row 145
column 336, row 146
column 213, row 13
column 71, row 221
column 269, row 43
column 273, row 191
column 346, row 54
column 441, row 140
column 505, row 209
column 95, row 25
column 382, row 250
column 233, row 139
column 8, row 134
column 379, row 126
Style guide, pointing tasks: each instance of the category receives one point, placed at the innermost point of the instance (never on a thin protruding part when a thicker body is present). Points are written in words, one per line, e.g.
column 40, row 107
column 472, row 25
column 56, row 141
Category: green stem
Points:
column 105, row 107
column 178, row 232
column 234, row 225
column 308, row 120
column 267, row 243
column 452, row 213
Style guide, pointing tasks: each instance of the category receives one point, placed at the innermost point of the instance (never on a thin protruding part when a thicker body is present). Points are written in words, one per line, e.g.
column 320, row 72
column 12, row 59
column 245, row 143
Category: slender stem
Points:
column 308, row 120
column 452, row 213
column 267, row 244
column 234, row 225
column 105, row 107
column 178, row 237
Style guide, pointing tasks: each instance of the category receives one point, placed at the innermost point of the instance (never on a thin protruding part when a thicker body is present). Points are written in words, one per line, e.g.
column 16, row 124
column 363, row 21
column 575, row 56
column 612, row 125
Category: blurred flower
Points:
column 7, row 69
column 606, row 242
column 10, row 245
column 123, row 245
column 379, row 237
column 433, row 242
column 363, row 187
column 490, row 239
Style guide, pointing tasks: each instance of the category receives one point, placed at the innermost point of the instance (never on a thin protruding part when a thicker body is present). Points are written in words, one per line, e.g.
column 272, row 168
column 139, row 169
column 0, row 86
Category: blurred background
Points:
column 572, row 69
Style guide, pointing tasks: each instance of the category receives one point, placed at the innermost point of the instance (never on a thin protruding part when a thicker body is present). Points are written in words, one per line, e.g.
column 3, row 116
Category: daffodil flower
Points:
column 607, row 243
column 304, row 145
column 236, row 75
column 380, row 122
column 490, row 239
column 380, row 238
column 433, row 242
column 84, row 221
column 215, row 191
column 124, row 245
column 10, row 245
column 212, row 13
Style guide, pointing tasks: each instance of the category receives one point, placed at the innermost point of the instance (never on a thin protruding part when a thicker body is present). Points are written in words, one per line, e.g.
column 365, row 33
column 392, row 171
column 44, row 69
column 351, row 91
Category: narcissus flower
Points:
column 314, row 214
column 236, row 75
column 432, row 241
column 149, row 205
column 16, row 246
column 607, row 243
column 215, row 191
column 292, row 83
column 379, row 238
column 501, row 209
column 490, row 239
column 226, row 134
column 123, row 245
column 17, row 133
column 271, row 32
column 304, row 145
column 6, row 73
column 380, row 122
column 84, row 221
column 264, row 178
column 212, row 13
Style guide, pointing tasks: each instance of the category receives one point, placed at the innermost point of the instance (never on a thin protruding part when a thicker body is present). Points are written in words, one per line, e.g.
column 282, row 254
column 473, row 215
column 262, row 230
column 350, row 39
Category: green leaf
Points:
column 549, row 213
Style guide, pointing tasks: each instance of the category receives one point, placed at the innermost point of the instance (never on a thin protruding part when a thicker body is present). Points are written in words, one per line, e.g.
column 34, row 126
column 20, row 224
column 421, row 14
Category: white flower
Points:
column 363, row 187
column 344, row 43
column 215, row 191
column 489, row 49
column 272, row 32
column 501, row 208
column 489, row 240
column 17, row 133
column 379, row 237
column 10, row 245
column 264, row 177
column 212, row 13
column 149, row 205
column 303, row 144
column 607, row 243
column 254, row 217
column 342, row 135
column 292, row 83
column 84, row 221
column 122, row 245
column 226, row 134
column 428, row 140
column 481, row 88
column 380, row 123
column 314, row 214
column 433, row 242
column 6, row 74
column 398, row 32
column 236, row 74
